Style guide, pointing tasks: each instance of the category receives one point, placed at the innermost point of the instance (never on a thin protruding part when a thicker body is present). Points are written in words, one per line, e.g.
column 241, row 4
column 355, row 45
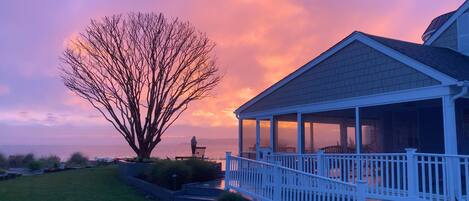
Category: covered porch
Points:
column 388, row 128
column 369, row 111
column 413, row 148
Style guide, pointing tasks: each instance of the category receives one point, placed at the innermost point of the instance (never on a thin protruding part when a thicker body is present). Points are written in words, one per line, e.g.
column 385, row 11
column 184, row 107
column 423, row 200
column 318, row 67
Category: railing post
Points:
column 412, row 173
column 361, row 190
column 300, row 162
column 277, row 182
column 227, row 170
column 320, row 163
column 453, row 177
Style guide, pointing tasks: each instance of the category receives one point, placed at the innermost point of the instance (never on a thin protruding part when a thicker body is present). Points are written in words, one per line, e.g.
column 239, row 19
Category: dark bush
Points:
column 2, row 171
column 228, row 196
column 169, row 174
column 16, row 161
column 34, row 165
column 3, row 161
column 29, row 158
column 77, row 159
column 172, row 174
column 202, row 170
column 50, row 162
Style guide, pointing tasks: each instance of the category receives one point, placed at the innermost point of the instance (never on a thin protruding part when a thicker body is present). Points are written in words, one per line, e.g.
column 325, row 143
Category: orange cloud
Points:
column 259, row 42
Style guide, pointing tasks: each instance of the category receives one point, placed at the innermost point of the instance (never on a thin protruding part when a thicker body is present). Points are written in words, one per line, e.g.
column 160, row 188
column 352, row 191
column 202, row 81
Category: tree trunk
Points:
column 143, row 154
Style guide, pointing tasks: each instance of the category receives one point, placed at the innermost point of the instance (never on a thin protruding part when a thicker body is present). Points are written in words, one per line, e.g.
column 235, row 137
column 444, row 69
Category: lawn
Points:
column 94, row 184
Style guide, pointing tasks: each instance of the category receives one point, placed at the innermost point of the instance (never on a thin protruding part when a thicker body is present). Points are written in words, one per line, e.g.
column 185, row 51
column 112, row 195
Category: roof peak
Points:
column 435, row 24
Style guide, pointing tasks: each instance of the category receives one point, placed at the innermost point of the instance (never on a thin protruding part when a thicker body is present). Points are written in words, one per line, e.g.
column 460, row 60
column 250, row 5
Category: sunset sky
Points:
column 258, row 43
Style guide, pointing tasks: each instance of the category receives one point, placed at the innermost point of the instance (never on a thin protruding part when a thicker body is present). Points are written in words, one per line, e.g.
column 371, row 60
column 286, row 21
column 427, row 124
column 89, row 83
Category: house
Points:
column 371, row 117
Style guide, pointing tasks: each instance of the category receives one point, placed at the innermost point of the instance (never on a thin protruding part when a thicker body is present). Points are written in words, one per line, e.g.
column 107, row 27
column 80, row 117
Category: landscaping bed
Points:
column 171, row 180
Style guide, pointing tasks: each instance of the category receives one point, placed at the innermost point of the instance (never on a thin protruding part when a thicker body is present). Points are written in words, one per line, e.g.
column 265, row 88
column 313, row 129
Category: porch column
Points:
column 343, row 134
column 358, row 141
column 272, row 133
column 449, row 124
column 240, row 137
column 451, row 146
column 301, row 139
column 258, row 137
column 311, row 136
column 358, row 131
column 301, row 136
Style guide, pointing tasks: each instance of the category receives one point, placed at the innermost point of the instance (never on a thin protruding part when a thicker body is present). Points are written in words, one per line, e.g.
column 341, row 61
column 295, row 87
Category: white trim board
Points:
column 448, row 23
column 355, row 36
column 408, row 95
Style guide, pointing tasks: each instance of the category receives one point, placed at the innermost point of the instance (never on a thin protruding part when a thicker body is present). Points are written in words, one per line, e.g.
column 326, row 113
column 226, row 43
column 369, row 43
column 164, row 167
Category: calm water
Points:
column 215, row 150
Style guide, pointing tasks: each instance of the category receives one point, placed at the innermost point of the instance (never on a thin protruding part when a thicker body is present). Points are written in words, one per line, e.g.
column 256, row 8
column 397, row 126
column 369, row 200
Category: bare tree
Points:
column 140, row 71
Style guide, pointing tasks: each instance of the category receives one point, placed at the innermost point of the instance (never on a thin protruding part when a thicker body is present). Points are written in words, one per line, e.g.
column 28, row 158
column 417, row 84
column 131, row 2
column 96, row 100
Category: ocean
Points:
column 216, row 149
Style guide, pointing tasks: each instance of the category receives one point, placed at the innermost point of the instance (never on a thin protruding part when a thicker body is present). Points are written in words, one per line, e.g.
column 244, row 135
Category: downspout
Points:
column 455, row 174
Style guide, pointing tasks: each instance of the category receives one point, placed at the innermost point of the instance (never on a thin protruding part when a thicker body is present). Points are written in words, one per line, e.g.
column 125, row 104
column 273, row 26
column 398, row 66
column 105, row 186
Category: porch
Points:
column 404, row 150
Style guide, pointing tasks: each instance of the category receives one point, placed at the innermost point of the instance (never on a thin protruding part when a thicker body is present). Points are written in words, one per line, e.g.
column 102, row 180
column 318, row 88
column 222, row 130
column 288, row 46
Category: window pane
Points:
column 265, row 133
column 286, row 136
column 249, row 136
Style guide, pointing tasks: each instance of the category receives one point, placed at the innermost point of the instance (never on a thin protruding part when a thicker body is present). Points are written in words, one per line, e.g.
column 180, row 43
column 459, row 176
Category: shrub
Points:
column 77, row 159
column 2, row 171
column 202, row 170
column 3, row 161
column 50, row 162
column 15, row 161
column 228, row 196
column 29, row 158
column 170, row 174
column 34, row 165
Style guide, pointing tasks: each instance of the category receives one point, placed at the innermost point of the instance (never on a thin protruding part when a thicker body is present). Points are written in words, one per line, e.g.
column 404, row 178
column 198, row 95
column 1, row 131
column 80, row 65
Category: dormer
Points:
column 450, row 30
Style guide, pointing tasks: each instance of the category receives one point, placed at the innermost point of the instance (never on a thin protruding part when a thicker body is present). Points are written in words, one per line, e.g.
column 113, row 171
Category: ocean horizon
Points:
column 216, row 149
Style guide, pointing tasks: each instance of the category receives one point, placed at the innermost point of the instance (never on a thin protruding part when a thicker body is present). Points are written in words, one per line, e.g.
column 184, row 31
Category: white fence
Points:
column 272, row 182
column 390, row 176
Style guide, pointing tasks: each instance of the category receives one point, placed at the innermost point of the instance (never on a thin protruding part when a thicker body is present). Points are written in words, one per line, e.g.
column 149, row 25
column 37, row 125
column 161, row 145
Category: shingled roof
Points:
column 445, row 60
column 449, row 62
column 436, row 24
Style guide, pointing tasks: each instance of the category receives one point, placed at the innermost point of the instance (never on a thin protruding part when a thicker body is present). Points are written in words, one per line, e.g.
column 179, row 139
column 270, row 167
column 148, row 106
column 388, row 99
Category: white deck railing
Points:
column 272, row 182
column 391, row 176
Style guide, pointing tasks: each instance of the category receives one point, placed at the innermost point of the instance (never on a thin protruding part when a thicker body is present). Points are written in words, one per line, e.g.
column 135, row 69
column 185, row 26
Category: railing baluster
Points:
column 466, row 176
column 437, row 178
column 430, row 177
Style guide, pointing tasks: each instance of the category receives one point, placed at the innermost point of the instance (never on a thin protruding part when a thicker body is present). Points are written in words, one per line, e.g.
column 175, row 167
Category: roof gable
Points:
column 356, row 36
column 442, row 28
column 356, row 70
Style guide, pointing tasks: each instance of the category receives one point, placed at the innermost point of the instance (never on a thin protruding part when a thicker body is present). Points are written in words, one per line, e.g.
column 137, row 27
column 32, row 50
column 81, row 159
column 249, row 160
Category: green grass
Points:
column 94, row 184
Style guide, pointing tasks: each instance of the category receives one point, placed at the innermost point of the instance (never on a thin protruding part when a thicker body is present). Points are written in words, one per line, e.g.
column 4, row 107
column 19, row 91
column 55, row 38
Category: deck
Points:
column 320, row 176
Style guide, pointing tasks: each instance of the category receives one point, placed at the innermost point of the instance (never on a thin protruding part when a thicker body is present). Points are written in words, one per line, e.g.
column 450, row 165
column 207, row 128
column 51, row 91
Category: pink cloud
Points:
column 258, row 43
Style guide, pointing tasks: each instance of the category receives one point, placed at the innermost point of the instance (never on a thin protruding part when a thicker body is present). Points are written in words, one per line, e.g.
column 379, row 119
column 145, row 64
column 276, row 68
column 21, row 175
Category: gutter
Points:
column 464, row 90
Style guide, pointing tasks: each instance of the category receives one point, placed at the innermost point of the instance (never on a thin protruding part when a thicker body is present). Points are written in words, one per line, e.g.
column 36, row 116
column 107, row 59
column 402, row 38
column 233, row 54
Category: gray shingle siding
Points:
column 449, row 38
column 356, row 70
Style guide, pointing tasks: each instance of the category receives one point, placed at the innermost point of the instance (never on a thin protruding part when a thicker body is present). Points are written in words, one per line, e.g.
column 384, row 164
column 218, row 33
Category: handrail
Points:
column 273, row 182
column 425, row 176
column 340, row 154
column 296, row 171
